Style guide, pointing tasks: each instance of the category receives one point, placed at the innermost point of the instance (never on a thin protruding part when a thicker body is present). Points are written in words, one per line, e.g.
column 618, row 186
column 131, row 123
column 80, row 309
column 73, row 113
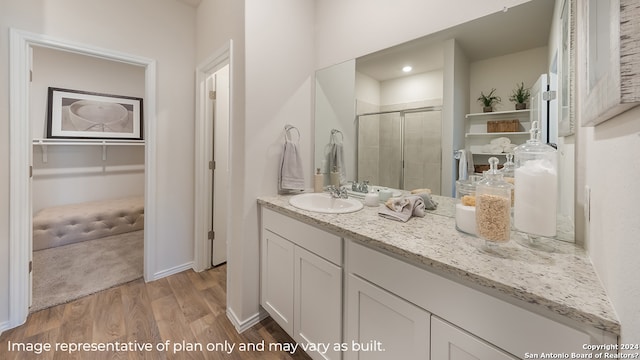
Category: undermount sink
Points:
column 325, row 203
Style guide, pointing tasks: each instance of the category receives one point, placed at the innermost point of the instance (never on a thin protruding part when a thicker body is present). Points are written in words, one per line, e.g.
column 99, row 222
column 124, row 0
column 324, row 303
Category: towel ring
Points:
column 336, row 131
column 288, row 128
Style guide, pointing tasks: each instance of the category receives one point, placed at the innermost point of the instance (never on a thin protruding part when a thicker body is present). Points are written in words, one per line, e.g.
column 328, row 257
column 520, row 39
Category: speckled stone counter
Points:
column 562, row 281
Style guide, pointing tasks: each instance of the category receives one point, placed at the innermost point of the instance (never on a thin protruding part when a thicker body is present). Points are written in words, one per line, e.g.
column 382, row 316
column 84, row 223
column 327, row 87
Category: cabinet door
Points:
column 450, row 343
column 383, row 325
column 317, row 303
column 276, row 279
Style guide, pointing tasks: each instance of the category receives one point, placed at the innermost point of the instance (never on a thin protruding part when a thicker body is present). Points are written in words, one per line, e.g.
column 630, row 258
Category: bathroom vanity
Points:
column 422, row 290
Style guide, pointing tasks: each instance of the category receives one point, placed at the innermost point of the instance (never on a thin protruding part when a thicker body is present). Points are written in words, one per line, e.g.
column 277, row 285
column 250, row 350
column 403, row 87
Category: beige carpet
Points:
column 69, row 272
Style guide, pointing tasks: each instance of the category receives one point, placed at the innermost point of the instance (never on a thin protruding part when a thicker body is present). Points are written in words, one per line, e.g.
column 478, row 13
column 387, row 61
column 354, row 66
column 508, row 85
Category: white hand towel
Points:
column 291, row 174
column 463, row 173
column 336, row 158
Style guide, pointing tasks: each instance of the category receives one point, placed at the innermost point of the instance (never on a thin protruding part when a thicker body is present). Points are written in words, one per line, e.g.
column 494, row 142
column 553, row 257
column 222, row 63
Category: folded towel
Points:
column 501, row 141
column 509, row 148
column 429, row 203
column 402, row 208
column 291, row 174
column 492, row 149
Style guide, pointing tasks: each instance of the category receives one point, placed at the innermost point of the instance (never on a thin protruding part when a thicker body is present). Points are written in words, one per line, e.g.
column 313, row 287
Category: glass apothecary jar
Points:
column 466, row 204
column 536, row 191
column 493, row 206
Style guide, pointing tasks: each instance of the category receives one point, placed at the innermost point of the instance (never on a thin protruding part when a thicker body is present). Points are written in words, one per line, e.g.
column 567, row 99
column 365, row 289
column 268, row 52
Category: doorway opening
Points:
column 21, row 154
column 212, row 152
column 87, row 197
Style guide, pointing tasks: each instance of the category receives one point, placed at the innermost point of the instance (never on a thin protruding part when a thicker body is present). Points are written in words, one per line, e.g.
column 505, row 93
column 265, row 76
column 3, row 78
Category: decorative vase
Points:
column 521, row 106
column 487, row 108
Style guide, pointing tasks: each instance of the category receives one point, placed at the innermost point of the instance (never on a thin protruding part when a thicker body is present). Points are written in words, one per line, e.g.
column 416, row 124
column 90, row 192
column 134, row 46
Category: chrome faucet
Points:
column 337, row 192
column 362, row 187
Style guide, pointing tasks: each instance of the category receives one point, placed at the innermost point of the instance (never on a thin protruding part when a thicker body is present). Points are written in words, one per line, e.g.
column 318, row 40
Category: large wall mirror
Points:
column 401, row 128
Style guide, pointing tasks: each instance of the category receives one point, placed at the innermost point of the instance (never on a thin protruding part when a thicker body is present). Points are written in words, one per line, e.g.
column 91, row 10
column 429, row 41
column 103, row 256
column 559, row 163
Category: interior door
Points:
column 539, row 106
column 220, row 168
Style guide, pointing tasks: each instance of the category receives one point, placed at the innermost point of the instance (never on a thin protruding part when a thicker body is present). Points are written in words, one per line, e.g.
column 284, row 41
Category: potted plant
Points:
column 520, row 96
column 489, row 100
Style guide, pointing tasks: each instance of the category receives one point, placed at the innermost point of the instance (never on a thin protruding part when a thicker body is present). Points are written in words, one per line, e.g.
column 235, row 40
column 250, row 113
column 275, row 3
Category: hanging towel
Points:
column 291, row 174
column 336, row 155
column 465, row 165
column 403, row 208
column 463, row 174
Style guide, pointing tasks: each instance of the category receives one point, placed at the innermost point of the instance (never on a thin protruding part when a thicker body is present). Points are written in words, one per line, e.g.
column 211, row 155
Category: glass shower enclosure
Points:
column 401, row 149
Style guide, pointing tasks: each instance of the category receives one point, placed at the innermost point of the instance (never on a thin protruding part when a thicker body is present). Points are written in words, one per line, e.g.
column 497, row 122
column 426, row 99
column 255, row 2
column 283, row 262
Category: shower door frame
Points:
column 402, row 125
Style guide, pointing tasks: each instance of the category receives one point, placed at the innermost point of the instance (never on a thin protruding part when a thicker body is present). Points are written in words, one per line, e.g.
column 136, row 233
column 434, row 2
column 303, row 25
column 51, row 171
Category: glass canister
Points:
column 493, row 206
column 536, row 190
column 508, row 173
column 466, row 204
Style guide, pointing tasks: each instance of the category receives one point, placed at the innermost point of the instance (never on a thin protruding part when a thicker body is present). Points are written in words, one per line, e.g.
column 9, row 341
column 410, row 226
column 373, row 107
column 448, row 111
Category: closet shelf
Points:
column 44, row 143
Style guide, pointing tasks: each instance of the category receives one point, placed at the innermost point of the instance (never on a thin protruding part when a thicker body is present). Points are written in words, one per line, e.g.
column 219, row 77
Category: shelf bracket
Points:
column 104, row 151
column 43, row 146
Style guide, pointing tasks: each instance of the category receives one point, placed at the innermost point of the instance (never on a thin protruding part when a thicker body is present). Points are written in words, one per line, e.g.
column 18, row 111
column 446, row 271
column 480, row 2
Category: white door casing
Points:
column 20, row 149
column 204, row 148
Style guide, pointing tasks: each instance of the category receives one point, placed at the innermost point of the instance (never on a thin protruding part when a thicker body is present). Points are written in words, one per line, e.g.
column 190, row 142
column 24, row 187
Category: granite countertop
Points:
column 562, row 280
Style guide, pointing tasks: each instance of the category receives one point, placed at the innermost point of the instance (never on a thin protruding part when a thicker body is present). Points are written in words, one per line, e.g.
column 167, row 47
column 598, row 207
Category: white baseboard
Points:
column 241, row 326
column 171, row 271
column 5, row 325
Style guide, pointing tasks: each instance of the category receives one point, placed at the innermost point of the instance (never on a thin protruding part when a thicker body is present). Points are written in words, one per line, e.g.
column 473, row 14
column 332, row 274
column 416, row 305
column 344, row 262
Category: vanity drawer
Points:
column 317, row 241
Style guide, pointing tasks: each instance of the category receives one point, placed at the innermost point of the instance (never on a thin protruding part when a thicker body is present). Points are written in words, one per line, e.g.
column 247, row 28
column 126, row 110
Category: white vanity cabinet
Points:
column 385, row 326
column 449, row 342
column 301, row 281
column 390, row 300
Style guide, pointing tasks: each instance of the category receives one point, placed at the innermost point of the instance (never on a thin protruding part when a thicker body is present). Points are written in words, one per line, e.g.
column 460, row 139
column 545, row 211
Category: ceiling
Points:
column 520, row 28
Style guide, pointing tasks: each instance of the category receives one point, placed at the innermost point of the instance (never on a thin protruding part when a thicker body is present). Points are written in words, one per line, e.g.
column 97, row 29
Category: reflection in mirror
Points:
column 402, row 128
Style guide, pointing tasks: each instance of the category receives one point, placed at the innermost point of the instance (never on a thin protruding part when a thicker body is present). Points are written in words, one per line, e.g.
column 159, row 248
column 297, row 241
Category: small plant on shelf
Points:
column 489, row 100
column 520, row 96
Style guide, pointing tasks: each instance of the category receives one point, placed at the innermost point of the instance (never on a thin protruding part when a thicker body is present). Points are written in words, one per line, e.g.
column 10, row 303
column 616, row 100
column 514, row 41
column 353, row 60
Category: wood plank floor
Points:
column 187, row 307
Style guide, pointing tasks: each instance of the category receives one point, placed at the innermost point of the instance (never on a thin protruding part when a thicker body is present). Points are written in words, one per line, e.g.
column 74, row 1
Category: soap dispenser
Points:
column 536, row 190
column 318, row 181
column 493, row 206
column 335, row 177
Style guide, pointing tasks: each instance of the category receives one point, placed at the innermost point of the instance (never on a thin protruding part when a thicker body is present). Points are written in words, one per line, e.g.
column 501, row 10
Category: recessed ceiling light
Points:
column 407, row 68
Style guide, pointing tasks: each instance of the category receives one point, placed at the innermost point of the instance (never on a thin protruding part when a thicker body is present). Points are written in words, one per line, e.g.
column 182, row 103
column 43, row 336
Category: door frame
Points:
column 20, row 149
column 203, row 151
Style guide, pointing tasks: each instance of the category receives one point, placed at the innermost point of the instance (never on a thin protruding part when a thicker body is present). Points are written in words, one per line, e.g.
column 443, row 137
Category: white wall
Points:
column 503, row 73
column 218, row 21
column 407, row 89
column 350, row 29
column 76, row 174
column 159, row 29
column 608, row 163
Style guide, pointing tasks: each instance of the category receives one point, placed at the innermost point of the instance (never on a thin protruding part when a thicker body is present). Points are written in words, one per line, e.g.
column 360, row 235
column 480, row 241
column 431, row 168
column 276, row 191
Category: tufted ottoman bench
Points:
column 67, row 224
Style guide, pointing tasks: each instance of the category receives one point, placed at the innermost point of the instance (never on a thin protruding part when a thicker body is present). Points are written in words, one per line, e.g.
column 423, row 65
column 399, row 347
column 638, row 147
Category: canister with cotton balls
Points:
column 493, row 206
column 536, row 187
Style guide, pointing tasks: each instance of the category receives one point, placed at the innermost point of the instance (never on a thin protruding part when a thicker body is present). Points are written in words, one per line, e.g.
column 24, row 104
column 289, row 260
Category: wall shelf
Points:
column 498, row 134
column 524, row 112
column 45, row 143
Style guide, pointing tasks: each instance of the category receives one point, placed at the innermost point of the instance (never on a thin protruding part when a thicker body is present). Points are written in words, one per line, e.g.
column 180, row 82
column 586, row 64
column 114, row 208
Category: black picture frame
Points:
column 76, row 114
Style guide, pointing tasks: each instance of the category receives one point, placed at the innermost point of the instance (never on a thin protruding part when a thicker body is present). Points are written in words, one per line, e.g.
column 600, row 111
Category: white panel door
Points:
column 384, row 325
column 317, row 303
column 451, row 343
column 276, row 279
column 221, row 153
